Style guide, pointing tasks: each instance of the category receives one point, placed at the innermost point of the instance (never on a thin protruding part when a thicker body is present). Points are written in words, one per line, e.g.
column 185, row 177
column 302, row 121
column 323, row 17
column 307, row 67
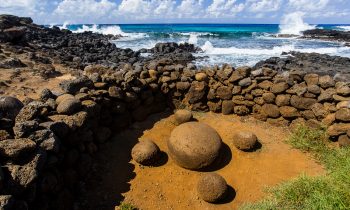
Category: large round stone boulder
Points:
column 182, row 116
column 245, row 140
column 194, row 145
column 145, row 152
column 211, row 187
column 9, row 107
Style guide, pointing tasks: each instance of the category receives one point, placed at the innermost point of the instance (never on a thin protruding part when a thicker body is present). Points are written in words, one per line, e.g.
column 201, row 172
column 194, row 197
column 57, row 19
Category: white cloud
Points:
column 264, row 6
column 19, row 7
column 223, row 8
column 190, row 9
column 85, row 11
column 142, row 9
column 308, row 5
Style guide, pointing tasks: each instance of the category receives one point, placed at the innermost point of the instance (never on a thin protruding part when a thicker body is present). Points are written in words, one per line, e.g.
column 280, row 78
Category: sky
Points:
column 177, row 11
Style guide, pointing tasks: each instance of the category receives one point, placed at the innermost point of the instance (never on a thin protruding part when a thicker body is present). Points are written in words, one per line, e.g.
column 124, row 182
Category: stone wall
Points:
column 47, row 147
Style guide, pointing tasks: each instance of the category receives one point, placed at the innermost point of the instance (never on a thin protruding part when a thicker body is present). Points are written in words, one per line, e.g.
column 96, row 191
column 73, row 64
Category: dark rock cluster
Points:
column 310, row 62
column 329, row 35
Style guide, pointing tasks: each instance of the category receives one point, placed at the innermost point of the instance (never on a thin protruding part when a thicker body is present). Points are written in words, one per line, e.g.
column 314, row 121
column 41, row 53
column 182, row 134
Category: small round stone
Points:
column 68, row 106
column 194, row 145
column 9, row 107
column 182, row 116
column 63, row 97
column 145, row 152
column 245, row 140
column 211, row 187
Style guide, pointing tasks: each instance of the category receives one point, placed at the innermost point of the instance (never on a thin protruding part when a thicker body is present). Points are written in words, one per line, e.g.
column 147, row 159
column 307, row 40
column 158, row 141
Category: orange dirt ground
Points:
column 168, row 186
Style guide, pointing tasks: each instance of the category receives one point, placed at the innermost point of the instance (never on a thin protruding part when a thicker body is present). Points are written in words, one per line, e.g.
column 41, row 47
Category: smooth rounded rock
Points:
column 145, row 152
column 10, row 107
column 194, row 145
column 68, row 106
column 245, row 140
column 211, row 187
column 182, row 116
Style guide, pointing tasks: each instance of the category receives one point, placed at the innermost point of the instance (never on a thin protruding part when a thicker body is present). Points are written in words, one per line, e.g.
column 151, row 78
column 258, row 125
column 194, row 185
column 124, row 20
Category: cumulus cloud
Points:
column 141, row 9
column 85, row 11
column 264, row 5
column 190, row 9
column 308, row 5
column 112, row 11
column 19, row 7
column 223, row 8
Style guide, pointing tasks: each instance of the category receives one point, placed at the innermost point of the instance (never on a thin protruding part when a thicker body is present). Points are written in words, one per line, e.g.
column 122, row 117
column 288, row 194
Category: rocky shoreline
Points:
column 328, row 35
column 47, row 146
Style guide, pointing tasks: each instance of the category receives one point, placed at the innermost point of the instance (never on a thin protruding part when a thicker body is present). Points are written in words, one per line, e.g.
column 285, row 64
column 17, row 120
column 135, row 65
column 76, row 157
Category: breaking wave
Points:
column 293, row 23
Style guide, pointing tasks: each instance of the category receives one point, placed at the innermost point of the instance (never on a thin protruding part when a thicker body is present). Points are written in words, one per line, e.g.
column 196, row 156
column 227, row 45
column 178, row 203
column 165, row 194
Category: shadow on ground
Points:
column 113, row 169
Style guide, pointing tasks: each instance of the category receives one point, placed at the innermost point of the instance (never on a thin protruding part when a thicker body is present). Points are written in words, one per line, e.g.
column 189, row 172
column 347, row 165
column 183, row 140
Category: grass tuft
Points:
column 330, row 191
column 127, row 206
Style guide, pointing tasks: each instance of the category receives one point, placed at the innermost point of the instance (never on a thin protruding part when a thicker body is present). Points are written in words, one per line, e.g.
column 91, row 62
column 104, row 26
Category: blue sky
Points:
column 177, row 11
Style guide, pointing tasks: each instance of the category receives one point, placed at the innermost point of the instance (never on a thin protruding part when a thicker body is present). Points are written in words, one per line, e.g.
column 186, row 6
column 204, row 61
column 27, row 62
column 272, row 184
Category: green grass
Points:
column 127, row 206
column 329, row 191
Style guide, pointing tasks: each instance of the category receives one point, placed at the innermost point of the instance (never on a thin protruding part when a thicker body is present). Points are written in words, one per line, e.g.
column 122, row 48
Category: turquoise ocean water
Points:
column 237, row 44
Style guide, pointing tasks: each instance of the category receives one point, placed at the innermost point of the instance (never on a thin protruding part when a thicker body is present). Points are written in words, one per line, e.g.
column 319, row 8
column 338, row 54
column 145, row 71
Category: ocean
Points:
column 236, row 44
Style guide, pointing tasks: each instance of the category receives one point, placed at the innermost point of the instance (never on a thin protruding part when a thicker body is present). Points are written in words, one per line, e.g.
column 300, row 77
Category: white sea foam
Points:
column 193, row 39
column 344, row 28
column 64, row 26
column 111, row 30
column 209, row 49
column 293, row 23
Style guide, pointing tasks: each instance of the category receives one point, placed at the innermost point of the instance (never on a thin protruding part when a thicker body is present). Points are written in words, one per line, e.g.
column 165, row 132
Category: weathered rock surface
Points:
column 194, row 145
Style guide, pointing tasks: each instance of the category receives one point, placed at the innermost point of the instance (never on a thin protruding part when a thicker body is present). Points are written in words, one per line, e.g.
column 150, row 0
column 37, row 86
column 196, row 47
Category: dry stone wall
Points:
column 48, row 147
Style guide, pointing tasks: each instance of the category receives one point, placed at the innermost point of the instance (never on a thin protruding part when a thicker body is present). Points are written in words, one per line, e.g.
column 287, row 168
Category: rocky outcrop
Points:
column 328, row 35
column 309, row 63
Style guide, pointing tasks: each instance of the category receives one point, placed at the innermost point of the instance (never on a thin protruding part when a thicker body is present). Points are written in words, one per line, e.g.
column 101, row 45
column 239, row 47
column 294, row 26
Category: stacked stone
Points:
column 47, row 146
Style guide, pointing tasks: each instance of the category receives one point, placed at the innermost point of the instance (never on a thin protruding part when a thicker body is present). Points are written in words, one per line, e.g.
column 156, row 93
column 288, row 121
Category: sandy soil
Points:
column 169, row 186
column 23, row 84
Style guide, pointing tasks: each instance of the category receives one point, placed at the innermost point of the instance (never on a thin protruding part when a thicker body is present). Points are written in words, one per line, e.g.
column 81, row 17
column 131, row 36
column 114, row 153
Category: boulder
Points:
column 68, row 106
column 245, row 82
column 289, row 112
column 194, row 145
column 279, row 87
column 311, row 79
column 24, row 176
column 9, row 107
column 269, row 97
column 326, row 81
column 211, row 187
column 15, row 148
column 196, row 92
column 270, row 110
column 227, row 107
column 63, row 97
column 245, row 140
column 145, row 152
column 301, row 102
column 182, row 116
column 224, row 92
column 23, row 129
column 282, row 100
column 338, row 129
column 73, row 86
column 343, row 115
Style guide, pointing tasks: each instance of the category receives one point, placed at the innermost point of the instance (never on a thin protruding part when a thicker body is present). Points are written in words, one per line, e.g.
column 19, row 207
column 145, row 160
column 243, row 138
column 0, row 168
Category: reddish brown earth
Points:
column 169, row 186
